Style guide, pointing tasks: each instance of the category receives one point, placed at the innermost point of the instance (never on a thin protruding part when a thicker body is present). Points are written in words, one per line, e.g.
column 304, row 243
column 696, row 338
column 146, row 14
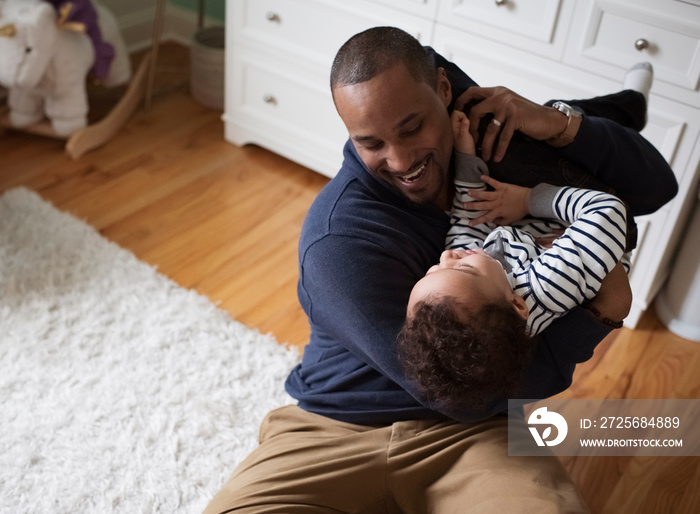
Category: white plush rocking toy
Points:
column 49, row 49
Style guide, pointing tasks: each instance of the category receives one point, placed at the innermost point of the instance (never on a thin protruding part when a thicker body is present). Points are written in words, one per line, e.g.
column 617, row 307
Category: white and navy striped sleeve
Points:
column 571, row 272
column 468, row 171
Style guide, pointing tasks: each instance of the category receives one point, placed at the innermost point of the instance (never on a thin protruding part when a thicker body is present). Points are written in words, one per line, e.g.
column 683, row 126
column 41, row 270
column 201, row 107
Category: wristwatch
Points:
column 572, row 125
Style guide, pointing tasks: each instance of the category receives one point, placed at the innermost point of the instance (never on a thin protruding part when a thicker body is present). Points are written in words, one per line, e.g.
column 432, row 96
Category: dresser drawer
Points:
column 314, row 30
column 424, row 8
column 287, row 101
column 284, row 110
column 620, row 34
column 497, row 64
column 535, row 19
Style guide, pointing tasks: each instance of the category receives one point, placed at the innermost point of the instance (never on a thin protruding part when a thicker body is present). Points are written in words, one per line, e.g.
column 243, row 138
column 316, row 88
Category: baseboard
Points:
column 636, row 312
column 179, row 25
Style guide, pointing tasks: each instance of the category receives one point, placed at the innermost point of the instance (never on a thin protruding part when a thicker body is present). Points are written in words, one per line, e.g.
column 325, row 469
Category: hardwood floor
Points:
column 225, row 220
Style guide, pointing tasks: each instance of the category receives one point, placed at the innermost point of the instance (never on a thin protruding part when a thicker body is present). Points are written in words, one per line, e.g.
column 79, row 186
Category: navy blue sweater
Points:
column 363, row 247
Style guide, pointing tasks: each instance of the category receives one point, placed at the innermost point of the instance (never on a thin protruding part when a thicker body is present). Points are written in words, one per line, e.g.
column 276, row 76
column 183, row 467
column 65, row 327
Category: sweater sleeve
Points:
column 624, row 160
column 355, row 291
column 572, row 270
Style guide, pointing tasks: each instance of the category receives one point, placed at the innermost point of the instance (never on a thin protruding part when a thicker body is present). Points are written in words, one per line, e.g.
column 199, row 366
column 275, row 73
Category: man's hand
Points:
column 504, row 205
column 614, row 299
column 512, row 112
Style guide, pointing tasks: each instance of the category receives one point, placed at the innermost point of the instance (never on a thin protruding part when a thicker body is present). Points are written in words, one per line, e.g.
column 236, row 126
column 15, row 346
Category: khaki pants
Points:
column 310, row 463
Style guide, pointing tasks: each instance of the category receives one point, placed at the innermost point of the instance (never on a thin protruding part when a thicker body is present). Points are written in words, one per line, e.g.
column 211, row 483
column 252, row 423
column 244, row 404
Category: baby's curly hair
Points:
column 456, row 363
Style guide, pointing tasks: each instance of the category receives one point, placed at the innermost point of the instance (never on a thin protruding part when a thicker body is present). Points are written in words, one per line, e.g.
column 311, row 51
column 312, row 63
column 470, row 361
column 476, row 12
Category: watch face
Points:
column 566, row 109
column 561, row 106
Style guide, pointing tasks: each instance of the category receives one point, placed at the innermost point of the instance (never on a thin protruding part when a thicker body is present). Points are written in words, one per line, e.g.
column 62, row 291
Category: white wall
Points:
column 135, row 18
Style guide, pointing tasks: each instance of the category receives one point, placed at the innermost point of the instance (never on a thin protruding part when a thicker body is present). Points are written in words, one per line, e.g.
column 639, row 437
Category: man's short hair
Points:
column 459, row 363
column 369, row 53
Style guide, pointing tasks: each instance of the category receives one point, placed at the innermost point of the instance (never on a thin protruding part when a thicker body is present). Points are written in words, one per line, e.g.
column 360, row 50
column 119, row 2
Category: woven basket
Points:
column 207, row 67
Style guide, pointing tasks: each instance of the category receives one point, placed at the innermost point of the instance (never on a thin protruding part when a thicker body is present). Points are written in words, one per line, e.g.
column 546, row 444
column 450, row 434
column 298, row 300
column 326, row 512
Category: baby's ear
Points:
column 518, row 303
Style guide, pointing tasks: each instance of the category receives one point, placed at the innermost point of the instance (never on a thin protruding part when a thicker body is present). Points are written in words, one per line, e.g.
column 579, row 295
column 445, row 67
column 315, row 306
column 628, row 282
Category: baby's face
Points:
column 472, row 277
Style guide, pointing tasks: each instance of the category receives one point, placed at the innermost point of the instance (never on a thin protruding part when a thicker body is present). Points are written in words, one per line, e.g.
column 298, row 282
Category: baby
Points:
column 470, row 322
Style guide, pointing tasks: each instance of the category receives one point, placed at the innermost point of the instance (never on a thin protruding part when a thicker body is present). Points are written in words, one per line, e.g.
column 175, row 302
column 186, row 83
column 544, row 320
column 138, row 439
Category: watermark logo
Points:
column 542, row 416
column 604, row 427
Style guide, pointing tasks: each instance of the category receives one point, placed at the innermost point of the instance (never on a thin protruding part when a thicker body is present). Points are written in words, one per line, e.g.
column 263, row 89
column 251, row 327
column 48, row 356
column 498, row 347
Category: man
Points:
column 361, row 438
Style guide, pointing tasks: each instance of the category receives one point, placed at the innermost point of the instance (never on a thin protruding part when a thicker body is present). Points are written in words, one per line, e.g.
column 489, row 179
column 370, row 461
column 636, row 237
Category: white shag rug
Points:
column 121, row 392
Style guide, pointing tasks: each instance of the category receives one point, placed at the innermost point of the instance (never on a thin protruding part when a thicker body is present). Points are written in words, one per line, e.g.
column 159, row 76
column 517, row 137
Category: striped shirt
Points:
column 551, row 280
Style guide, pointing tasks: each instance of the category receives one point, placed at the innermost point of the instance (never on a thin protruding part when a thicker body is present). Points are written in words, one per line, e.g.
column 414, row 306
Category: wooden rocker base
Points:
column 96, row 134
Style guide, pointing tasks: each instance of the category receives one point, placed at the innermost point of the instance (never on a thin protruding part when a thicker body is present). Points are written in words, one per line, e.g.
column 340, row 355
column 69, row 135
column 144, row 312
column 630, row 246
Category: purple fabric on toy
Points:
column 83, row 11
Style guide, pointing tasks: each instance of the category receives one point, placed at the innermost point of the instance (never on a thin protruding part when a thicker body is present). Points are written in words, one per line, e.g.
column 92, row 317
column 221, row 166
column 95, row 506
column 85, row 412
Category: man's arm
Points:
column 617, row 156
column 514, row 114
column 614, row 298
column 355, row 292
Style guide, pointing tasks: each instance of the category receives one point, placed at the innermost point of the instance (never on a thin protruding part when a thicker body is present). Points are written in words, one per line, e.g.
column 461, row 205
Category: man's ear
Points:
column 444, row 88
column 518, row 303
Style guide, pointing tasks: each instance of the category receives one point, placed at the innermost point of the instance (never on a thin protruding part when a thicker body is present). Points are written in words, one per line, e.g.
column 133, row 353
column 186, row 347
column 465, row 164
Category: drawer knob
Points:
column 500, row 3
column 269, row 99
column 273, row 17
column 641, row 44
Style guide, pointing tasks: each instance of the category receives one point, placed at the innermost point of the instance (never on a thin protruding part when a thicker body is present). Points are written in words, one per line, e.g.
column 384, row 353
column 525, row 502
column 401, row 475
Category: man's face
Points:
column 401, row 130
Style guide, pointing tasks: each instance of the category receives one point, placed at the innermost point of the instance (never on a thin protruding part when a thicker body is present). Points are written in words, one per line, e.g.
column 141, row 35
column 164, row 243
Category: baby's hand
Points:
column 506, row 204
column 464, row 142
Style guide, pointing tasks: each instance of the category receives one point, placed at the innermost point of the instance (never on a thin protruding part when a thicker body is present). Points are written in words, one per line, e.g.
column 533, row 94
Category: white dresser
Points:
column 279, row 53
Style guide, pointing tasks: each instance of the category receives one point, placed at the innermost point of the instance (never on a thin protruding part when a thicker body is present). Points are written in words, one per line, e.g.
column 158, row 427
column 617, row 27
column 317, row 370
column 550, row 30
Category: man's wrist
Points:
column 573, row 123
column 591, row 307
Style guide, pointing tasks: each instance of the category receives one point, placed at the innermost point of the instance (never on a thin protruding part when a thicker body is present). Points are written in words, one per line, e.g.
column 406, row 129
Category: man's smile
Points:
column 415, row 175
